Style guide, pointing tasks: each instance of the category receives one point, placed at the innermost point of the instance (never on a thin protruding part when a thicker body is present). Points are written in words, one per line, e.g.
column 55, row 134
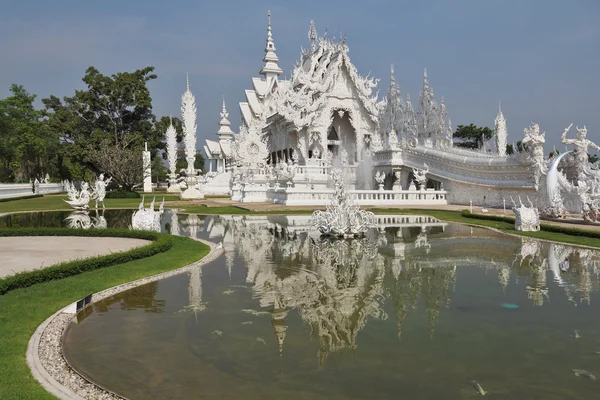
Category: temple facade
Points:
column 326, row 115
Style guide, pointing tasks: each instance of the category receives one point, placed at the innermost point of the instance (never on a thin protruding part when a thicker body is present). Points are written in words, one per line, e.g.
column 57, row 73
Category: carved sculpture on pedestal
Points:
column 421, row 176
column 342, row 218
column 188, row 113
column 380, row 178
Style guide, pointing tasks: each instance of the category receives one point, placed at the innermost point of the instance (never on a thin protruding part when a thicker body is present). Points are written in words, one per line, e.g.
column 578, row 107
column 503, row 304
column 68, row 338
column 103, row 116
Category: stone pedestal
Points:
column 147, row 170
column 192, row 192
column 173, row 186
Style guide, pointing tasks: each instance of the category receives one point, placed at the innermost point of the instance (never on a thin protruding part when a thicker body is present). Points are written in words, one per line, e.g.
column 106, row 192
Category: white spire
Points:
column 171, row 139
column 270, row 70
column 188, row 113
column 312, row 33
column 225, row 132
column 501, row 132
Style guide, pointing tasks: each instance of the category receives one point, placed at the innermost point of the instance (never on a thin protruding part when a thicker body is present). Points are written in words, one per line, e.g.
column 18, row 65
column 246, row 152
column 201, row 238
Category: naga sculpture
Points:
column 342, row 219
column 79, row 200
column 527, row 219
column 147, row 219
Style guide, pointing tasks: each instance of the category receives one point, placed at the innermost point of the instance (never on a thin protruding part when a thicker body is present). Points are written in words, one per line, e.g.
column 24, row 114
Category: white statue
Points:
column 99, row 192
column 342, row 218
column 79, row 200
column 527, row 219
column 46, row 179
column 421, row 176
column 380, row 178
column 36, row 186
column 580, row 145
column 534, row 143
column 147, row 219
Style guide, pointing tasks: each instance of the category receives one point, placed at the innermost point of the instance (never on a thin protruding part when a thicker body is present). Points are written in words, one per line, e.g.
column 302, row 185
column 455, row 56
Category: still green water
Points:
column 416, row 310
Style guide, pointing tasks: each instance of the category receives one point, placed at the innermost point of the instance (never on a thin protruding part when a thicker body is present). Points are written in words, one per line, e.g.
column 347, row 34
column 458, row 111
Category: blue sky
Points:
column 540, row 58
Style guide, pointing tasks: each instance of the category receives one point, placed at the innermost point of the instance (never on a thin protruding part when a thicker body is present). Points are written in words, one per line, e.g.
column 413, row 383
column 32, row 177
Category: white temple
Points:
column 294, row 131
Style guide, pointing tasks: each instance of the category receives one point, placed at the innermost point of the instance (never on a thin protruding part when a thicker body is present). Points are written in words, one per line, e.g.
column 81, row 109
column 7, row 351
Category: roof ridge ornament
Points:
column 312, row 34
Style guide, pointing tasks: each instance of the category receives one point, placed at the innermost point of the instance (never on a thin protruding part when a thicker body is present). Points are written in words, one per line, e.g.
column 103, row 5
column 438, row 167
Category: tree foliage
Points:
column 113, row 113
column 472, row 136
column 28, row 149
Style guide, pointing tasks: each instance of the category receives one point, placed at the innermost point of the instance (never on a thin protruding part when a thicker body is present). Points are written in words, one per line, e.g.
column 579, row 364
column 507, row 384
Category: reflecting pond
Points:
column 418, row 309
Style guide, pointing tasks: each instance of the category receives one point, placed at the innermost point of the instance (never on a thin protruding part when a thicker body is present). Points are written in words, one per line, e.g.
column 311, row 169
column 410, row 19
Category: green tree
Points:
column 159, row 170
column 592, row 158
column 113, row 112
column 28, row 149
column 472, row 136
column 510, row 149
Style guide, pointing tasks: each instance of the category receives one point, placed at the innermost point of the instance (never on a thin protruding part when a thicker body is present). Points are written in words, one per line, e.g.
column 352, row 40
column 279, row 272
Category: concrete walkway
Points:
column 24, row 253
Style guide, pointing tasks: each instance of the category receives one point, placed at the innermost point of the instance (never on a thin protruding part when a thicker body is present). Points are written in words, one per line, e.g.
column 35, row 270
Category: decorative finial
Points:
column 425, row 74
column 325, row 34
column 312, row 32
column 269, row 17
column 187, row 81
column 499, row 107
column 224, row 113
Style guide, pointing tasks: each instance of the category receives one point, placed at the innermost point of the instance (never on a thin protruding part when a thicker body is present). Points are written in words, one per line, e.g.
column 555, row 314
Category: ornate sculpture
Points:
column 534, row 143
column 342, row 218
column 421, row 176
column 188, row 113
column 556, row 209
column 527, row 219
column 100, row 190
column 380, row 178
column 147, row 219
column 580, row 145
column 171, row 142
column 79, row 200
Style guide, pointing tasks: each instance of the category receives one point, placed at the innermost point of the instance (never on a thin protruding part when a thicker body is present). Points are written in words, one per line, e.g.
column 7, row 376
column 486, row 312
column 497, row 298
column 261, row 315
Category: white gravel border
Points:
column 44, row 351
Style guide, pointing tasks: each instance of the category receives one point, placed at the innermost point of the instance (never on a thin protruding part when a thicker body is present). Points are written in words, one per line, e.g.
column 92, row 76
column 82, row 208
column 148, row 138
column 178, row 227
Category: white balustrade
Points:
column 321, row 197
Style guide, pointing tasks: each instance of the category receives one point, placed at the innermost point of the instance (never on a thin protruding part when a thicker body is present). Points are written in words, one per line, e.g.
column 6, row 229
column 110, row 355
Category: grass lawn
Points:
column 23, row 310
column 56, row 202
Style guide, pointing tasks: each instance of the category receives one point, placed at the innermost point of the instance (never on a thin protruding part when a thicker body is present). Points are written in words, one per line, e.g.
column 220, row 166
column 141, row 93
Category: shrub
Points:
column 161, row 243
column 122, row 194
column 32, row 196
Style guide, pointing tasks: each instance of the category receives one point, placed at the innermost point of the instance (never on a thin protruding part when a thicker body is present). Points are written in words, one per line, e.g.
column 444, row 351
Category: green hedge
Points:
column 544, row 227
column 161, row 243
column 29, row 196
column 122, row 194
column 488, row 217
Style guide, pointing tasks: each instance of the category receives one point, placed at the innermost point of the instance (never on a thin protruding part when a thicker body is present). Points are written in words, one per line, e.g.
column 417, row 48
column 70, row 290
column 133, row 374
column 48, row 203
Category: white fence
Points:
column 291, row 196
column 11, row 190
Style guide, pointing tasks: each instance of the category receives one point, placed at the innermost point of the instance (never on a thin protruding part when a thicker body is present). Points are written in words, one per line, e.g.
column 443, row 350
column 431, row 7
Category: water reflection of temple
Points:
column 336, row 286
